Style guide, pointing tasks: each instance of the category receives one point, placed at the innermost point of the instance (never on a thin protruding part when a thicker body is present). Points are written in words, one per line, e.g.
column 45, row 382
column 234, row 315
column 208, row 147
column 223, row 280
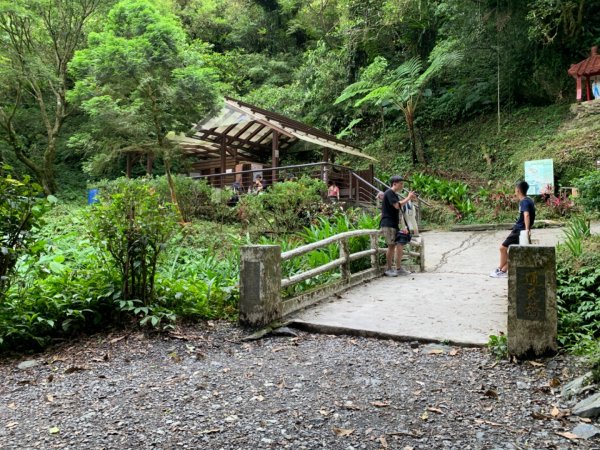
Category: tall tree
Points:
column 138, row 80
column 402, row 87
column 39, row 38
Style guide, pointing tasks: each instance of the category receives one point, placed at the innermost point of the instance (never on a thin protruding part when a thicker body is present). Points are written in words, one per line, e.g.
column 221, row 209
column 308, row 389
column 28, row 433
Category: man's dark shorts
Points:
column 512, row 239
column 403, row 238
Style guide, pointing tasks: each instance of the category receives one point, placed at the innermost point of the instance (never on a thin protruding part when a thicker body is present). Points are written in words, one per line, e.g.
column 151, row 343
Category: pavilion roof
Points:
column 588, row 67
column 248, row 132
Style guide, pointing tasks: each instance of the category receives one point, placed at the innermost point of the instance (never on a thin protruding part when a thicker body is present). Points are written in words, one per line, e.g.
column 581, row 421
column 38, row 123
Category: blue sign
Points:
column 539, row 174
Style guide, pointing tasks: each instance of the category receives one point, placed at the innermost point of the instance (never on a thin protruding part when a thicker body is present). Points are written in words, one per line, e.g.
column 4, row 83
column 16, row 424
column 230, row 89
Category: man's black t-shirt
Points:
column 525, row 205
column 390, row 216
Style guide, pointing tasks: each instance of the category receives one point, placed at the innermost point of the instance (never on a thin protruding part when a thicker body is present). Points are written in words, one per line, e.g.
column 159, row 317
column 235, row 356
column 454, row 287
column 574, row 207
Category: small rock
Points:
column 437, row 348
column 266, row 441
column 589, row 407
column 284, row 331
column 574, row 387
column 29, row 364
column 586, row 431
column 522, row 385
column 414, row 344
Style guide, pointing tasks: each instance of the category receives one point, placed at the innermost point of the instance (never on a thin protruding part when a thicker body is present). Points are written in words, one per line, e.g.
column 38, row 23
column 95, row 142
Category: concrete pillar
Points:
column 260, row 285
column 532, row 317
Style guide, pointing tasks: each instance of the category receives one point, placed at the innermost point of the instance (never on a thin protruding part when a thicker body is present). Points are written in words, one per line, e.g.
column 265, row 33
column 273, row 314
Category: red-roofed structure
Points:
column 587, row 69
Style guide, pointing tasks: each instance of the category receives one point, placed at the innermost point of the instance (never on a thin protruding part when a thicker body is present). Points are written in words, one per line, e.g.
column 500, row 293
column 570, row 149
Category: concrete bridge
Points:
column 454, row 300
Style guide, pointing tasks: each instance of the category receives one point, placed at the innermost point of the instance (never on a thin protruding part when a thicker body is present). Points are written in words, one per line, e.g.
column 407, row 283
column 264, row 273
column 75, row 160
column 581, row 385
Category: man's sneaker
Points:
column 497, row 273
column 403, row 272
column 391, row 273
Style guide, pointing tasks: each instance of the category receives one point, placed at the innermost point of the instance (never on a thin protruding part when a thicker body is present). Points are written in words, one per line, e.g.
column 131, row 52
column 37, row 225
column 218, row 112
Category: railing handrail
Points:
column 365, row 182
column 279, row 168
column 325, row 242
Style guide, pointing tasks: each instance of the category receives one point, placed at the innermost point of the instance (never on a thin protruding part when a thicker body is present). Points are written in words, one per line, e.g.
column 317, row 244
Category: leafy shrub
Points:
column 283, row 207
column 578, row 290
column 21, row 210
column 194, row 197
column 454, row 193
column 561, row 206
column 589, row 190
column 133, row 225
column 498, row 346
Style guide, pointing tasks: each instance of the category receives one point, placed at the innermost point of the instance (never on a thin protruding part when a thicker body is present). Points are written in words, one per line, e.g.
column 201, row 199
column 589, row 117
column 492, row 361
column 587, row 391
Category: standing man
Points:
column 524, row 223
column 390, row 225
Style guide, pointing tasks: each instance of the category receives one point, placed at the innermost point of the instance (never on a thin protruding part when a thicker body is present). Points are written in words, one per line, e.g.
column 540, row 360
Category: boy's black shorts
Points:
column 512, row 239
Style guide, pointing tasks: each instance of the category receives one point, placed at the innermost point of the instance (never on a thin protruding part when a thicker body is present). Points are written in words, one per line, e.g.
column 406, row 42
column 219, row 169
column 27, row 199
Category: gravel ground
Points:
column 202, row 388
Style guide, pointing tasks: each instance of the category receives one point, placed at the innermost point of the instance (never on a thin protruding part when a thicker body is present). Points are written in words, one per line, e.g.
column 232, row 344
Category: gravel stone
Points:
column 202, row 387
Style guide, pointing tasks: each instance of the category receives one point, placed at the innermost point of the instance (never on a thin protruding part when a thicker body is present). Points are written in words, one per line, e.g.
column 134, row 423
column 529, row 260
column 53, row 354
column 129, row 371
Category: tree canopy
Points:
column 96, row 79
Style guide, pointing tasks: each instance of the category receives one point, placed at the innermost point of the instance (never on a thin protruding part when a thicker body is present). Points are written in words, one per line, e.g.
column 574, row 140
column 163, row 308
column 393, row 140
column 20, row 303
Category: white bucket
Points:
column 524, row 238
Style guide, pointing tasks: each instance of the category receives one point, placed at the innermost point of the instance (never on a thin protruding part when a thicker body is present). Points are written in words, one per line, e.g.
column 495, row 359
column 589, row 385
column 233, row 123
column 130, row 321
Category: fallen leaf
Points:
column 568, row 435
column 491, row 394
column 73, row 369
column 536, row 364
column 12, row 405
column 50, row 378
column 488, row 422
column 214, row 430
column 324, row 412
column 258, row 398
column 539, row 416
column 435, row 351
column 12, row 424
column 435, row 410
column 425, row 416
column 408, row 448
column 585, row 420
column 555, row 412
column 54, row 430
column 554, row 382
column 383, row 442
column 115, row 340
column 453, row 352
column 226, row 369
column 343, row 431
column 50, row 398
column 380, row 404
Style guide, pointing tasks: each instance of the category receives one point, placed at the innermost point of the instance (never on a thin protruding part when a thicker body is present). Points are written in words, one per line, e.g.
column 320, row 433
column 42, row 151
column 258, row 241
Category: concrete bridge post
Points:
column 532, row 317
column 260, row 285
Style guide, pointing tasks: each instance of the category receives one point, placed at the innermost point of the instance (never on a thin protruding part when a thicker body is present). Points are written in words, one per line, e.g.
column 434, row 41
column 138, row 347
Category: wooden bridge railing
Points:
column 260, row 275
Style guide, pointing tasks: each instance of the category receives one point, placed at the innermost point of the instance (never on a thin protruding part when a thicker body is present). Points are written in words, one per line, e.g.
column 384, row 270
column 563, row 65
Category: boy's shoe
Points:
column 497, row 273
column 391, row 273
column 403, row 272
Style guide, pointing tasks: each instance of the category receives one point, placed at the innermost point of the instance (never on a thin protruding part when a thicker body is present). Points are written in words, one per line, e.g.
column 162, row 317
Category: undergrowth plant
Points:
column 133, row 225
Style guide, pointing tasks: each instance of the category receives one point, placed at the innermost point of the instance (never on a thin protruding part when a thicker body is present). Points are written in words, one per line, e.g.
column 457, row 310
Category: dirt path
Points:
column 207, row 390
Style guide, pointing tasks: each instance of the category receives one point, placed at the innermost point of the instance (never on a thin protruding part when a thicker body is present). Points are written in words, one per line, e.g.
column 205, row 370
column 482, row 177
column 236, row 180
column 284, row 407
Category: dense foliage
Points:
column 21, row 210
column 578, row 279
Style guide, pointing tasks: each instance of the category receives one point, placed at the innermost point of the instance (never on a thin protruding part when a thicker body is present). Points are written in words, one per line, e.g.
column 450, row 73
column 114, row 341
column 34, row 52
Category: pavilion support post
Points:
column 588, row 90
column 129, row 165
column 223, row 168
column 578, row 89
column 274, row 156
column 325, row 166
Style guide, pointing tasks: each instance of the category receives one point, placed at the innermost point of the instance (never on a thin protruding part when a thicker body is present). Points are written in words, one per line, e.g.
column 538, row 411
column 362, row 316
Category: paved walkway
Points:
column 454, row 300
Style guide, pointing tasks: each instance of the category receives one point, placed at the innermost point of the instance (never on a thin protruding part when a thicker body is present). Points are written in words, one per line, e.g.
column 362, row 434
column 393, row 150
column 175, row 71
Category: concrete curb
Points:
column 345, row 331
column 504, row 226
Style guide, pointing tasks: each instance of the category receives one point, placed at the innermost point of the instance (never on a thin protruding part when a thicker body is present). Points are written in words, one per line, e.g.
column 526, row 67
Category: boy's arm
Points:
column 527, row 220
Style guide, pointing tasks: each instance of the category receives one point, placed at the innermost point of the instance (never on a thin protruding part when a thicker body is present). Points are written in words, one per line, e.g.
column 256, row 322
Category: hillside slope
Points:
column 476, row 150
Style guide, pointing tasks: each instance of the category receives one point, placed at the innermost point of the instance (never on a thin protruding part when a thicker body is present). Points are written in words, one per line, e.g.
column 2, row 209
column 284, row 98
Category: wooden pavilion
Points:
column 586, row 69
column 242, row 141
